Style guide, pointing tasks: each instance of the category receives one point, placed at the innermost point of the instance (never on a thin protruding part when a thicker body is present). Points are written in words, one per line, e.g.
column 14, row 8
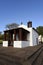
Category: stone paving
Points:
column 19, row 56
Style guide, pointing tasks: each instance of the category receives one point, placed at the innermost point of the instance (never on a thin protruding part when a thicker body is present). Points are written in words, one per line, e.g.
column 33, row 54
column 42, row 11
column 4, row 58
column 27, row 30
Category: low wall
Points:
column 20, row 44
column 17, row 44
column 5, row 44
column 25, row 44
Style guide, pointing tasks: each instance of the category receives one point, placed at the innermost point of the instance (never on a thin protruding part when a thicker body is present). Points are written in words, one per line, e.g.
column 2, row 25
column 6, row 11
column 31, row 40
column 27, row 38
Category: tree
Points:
column 11, row 26
column 1, row 37
column 40, row 30
column 0, row 32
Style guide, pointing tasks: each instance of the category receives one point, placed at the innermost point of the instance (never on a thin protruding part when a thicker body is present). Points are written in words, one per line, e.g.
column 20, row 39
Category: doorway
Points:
column 10, row 40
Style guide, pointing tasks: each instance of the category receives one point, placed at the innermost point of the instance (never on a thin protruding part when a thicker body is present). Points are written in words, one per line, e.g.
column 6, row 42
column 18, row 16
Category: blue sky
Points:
column 15, row 11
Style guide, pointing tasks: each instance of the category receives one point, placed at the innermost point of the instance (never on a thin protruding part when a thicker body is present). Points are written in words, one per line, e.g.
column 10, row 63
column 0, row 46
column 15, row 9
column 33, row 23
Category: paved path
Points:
column 14, row 56
column 39, row 60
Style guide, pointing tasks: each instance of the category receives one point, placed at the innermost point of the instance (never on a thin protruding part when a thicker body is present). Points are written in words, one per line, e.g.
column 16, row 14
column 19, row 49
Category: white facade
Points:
column 32, row 39
column 35, row 37
column 30, row 36
column 40, row 38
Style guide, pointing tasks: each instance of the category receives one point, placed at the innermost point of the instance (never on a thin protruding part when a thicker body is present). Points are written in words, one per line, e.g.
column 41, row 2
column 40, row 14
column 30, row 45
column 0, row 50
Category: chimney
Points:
column 29, row 24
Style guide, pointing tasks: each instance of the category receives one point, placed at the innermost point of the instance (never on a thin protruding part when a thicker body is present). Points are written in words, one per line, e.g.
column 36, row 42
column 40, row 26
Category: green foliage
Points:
column 1, row 38
column 40, row 30
column 11, row 26
column 1, row 41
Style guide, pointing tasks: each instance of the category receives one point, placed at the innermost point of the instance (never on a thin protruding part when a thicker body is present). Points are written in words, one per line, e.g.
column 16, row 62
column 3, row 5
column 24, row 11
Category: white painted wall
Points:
column 5, row 44
column 42, row 39
column 25, row 44
column 20, row 44
column 17, row 44
column 34, row 36
column 30, row 36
